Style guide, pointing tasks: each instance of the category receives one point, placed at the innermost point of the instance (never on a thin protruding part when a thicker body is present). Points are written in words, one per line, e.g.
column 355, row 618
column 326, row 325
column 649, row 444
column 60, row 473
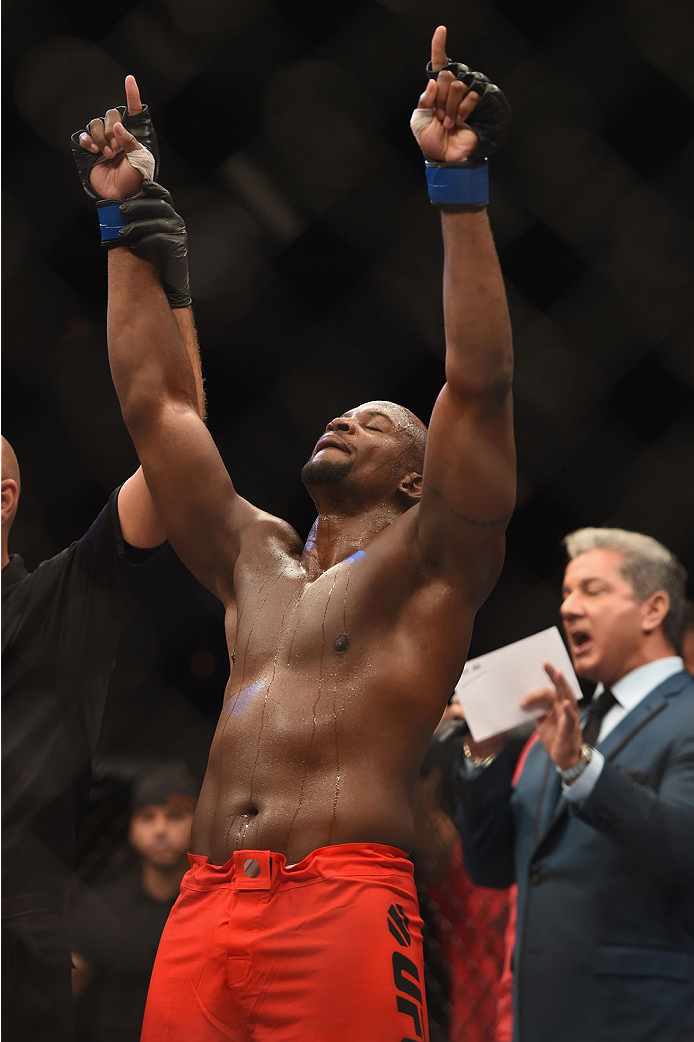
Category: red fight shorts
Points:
column 328, row 950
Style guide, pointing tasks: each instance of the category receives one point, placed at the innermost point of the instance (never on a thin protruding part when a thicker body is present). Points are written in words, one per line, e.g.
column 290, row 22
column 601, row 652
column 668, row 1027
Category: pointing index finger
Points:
column 438, row 49
column 132, row 95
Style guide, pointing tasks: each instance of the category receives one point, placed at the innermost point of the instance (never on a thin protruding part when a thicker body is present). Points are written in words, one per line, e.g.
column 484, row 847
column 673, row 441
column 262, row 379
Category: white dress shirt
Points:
column 629, row 691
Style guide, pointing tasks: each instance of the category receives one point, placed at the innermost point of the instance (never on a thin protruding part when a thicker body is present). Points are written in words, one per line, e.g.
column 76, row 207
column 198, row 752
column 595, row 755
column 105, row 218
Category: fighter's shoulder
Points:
column 395, row 555
column 264, row 532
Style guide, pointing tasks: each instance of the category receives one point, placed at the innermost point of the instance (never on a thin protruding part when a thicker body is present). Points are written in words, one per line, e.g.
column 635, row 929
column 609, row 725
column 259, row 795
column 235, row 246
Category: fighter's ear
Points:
column 411, row 486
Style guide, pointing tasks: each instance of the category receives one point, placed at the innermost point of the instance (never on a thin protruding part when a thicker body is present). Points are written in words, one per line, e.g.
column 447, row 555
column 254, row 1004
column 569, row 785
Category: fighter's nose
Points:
column 341, row 423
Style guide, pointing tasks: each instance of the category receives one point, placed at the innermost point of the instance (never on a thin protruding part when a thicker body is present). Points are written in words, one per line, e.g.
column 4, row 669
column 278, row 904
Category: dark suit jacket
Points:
column 605, row 936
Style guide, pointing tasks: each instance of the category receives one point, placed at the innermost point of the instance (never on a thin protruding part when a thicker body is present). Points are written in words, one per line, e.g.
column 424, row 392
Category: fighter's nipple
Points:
column 341, row 643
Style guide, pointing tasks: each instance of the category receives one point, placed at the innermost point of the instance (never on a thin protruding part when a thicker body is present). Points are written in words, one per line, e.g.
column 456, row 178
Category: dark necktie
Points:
column 596, row 714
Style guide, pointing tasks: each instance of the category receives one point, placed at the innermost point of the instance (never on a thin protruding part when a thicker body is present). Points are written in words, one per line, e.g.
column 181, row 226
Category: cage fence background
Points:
column 316, row 274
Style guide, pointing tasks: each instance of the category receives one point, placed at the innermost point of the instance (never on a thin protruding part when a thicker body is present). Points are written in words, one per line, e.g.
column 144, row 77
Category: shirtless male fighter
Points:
column 298, row 918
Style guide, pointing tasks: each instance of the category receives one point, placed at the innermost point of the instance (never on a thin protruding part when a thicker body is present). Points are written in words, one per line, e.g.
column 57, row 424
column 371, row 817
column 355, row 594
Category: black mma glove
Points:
column 464, row 185
column 491, row 117
column 140, row 126
column 153, row 229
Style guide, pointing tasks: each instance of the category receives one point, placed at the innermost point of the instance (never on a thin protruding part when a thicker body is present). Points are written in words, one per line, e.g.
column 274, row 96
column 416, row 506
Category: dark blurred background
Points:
column 316, row 274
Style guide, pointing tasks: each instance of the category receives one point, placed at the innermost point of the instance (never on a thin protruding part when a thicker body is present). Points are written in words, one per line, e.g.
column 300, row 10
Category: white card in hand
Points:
column 492, row 685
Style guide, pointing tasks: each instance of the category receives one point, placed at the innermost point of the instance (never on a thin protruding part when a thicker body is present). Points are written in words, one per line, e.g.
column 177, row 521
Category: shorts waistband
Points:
column 267, row 870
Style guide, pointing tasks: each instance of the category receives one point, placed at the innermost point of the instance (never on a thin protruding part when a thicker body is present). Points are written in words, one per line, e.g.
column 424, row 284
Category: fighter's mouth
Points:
column 329, row 441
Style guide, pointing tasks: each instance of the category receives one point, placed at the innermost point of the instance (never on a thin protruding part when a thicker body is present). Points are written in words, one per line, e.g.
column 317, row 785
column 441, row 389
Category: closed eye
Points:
column 368, row 428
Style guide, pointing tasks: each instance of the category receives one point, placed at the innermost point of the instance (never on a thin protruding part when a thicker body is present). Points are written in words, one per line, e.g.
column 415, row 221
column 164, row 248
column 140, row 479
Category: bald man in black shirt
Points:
column 61, row 626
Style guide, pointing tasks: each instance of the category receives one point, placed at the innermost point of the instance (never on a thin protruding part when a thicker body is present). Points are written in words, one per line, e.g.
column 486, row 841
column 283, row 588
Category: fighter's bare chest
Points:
column 285, row 618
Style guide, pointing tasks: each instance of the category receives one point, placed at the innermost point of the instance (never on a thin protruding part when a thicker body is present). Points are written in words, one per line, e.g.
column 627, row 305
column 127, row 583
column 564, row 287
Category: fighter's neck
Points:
column 335, row 537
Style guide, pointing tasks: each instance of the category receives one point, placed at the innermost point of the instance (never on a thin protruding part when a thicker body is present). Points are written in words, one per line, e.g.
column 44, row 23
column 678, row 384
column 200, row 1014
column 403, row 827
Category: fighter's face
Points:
column 372, row 441
column 603, row 620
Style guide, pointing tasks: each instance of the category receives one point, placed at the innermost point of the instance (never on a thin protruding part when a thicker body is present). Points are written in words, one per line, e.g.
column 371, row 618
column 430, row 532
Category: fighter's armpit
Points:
column 475, row 521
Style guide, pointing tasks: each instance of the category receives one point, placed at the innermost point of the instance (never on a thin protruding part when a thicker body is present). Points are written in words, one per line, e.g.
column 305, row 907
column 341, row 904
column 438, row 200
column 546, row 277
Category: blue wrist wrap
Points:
column 458, row 184
column 111, row 220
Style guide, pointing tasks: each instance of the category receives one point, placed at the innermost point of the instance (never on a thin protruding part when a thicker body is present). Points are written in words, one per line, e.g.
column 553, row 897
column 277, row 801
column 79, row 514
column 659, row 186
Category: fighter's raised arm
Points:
column 106, row 173
column 153, row 346
column 468, row 488
column 156, row 384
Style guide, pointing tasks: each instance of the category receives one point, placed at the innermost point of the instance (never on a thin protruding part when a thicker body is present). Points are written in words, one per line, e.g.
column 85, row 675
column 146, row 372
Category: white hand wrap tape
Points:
column 142, row 160
column 421, row 118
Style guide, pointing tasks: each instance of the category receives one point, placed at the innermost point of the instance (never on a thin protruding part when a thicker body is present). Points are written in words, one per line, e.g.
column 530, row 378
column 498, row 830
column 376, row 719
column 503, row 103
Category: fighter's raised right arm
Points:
column 154, row 353
column 204, row 517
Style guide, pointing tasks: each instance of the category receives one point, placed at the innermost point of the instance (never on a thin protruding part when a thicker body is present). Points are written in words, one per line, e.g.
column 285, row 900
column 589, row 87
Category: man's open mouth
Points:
column 580, row 640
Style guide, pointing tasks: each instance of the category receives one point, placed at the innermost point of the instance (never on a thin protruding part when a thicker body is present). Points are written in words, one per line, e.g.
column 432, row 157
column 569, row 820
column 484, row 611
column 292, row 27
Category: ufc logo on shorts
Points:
column 405, row 973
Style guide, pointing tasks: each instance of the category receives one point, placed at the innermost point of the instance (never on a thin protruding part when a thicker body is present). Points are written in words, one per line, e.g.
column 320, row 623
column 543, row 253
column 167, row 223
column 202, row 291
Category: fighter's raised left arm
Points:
column 468, row 490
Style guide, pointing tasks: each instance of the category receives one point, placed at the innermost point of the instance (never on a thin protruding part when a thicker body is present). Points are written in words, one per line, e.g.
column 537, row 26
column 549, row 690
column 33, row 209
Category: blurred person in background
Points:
column 116, row 926
column 303, row 823
column 465, row 923
column 598, row 830
column 61, row 628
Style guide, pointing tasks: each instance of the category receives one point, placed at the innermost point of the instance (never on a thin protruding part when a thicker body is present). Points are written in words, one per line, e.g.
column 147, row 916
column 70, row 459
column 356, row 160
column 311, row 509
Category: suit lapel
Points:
column 638, row 717
column 551, row 802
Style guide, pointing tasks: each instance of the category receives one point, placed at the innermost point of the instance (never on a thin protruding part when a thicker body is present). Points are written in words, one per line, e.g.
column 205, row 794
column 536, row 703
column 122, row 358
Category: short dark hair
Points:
column 158, row 785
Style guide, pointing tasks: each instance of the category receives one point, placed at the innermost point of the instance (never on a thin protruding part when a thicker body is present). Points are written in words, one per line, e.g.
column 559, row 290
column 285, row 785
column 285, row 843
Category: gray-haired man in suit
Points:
column 598, row 831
